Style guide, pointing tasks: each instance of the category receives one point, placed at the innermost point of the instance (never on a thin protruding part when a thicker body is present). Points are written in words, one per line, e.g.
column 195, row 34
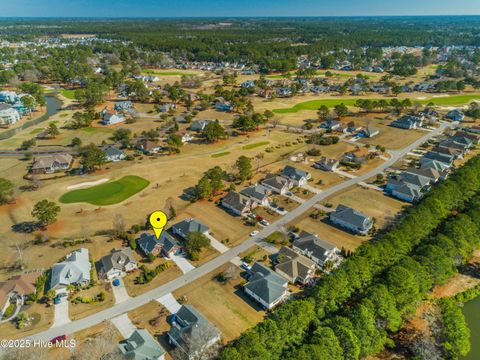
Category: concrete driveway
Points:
column 182, row 263
column 60, row 316
column 120, row 292
column 217, row 245
column 124, row 325
column 170, row 303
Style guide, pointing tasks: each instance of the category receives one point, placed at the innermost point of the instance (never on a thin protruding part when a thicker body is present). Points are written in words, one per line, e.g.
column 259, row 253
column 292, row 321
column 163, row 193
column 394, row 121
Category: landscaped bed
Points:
column 107, row 194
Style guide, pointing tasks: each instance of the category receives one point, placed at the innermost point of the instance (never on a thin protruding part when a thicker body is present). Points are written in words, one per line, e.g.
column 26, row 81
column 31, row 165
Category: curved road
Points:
column 208, row 267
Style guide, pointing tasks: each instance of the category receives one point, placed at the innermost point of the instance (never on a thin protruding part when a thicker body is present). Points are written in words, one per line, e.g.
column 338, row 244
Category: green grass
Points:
column 315, row 104
column 69, row 94
column 107, row 194
column 36, row 131
column 63, row 115
column 217, row 155
column 255, row 145
column 319, row 73
column 166, row 73
column 92, row 130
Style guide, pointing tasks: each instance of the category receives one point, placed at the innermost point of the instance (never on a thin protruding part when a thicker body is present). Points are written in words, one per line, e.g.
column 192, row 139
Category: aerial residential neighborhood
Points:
column 251, row 186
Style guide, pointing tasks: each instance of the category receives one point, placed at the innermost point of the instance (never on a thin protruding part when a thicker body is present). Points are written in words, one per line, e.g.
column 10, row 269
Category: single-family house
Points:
column 123, row 106
column 16, row 289
column 455, row 115
column 266, row 287
column 118, row 263
column 294, row 267
column 199, row 125
column 185, row 136
column 237, row 203
column 111, row 118
column 165, row 245
column 74, row 270
column 358, row 156
column 113, row 153
column 191, row 332
column 149, row 147
column 326, row 164
column 330, row 124
column 277, row 184
column 167, row 107
column 142, row 346
column 368, row 132
column 187, row 226
column 258, row 193
column 408, row 122
column 432, row 155
column 299, row 177
column 52, row 163
column 430, row 173
column 351, row 219
column 318, row 250
column 8, row 115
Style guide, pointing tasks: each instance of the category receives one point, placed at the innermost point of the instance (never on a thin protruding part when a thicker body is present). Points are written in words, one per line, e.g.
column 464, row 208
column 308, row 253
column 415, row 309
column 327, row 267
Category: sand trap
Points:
column 440, row 96
column 421, row 98
column 87, row 184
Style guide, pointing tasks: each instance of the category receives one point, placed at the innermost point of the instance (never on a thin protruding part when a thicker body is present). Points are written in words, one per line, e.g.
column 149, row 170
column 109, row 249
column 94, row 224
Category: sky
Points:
column 231, row 8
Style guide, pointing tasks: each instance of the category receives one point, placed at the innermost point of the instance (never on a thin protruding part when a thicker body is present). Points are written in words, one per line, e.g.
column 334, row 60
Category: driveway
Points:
column 182, row 263
column 60, row 316
column 217, row 245
column 312, row 189
column 124, row 325
column 120, row 292
column 170, row 303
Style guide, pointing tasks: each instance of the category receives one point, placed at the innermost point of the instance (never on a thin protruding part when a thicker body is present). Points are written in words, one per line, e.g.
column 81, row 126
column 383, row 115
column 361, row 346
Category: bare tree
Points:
column 27, row 353
column 118, row 225
column 19, row 246
column 99, row 346
column 201, row 343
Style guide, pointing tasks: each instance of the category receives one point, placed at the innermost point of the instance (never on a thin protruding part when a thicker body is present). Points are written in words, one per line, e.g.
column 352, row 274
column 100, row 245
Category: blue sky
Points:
column 184, row 8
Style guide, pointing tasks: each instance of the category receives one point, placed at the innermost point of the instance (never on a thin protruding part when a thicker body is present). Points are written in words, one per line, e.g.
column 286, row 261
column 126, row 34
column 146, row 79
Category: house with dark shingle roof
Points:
column 166, row 244
column 326, row 164
column 266, row 287
column 118, row 263
column 294, row 267
column 430, row 173
column 277, row 184
column 432, row 155
column 191, row 332
column 258, row 193
column 113, row 153
column 237, row 203
column 187, row 226
column 351, row 219
column 299, row 177
column 408, row 122
column 455, row 115
column 16, row 289
column 318, row 250
column 407, row 192
column 142, row 346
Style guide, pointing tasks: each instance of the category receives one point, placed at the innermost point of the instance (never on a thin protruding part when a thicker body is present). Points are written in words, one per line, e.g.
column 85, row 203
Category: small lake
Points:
column 471, row 310
column 53, row 106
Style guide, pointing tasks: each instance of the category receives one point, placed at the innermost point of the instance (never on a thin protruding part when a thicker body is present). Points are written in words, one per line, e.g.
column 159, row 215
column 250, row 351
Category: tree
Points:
column 6, row 190
column 174, row 143
column 46, row 212
column 119, row 226
column 138, row 91
column 323, row 112
column 341, row 110
column 92, row 95
column 195, row 242
column 28, row 103
column 76, row 141
column 52, row 130
column 203, row 189
column 244, row 167
column 122, row 136
column 92, row 157
column 213, row 131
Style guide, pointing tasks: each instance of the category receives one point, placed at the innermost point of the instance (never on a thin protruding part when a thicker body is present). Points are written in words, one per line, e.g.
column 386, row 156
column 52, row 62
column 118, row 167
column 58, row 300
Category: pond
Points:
column 54, row 105
column 471, row 310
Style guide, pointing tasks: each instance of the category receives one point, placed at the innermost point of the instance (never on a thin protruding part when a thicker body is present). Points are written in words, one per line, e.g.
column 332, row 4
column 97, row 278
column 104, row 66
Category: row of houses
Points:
column 11, row 107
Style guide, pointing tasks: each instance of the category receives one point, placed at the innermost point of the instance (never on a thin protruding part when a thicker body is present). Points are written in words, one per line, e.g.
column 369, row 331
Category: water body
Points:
column 471, row 310
column 54, row 105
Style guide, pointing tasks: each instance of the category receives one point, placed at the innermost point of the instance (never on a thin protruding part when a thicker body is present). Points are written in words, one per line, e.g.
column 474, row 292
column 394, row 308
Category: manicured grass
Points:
column 318, row 73
column 255, row 145
column 166, row 73
column 107, row 194
column 36, row 131
column 69, row 94
column 91, row 130
column 220, row 154
column 315, row 104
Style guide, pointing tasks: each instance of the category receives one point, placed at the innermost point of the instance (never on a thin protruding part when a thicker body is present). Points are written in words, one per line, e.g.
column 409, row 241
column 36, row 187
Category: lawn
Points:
column 69, row 94
column 255, row 145
column 315, row 104
column 166, row 73
column 107, row 194
column 217, row 155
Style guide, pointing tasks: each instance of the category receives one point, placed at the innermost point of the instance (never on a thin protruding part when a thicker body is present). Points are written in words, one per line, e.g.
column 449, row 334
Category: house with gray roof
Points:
column 409, row 185
column 326, row 164
column 351, row 219
column 455, row 115
column 113, row 153
column 238, row 203
column 266, row 287
column 199, row 125
column 187, row 226
column 408, row 122
column 443, row 158
column 192, row 333
column 142, row 346
column 166, row 244
column 407, row 192
column 118, row 263
column 430, row 173
column 258, row 193
column 369, row 132
column 277, row 184
column 434, row 164
column 294, row 267
column 52, row 163
column 74, row 270
column 318, row 250
column 299, row 177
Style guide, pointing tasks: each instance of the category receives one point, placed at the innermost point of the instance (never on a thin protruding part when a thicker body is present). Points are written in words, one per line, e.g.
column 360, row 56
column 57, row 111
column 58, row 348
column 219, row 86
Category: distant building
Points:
column 455, row 115
column 113, row 153
column 408, row 122
column 258, row 193
column 238, row 204
column 8, row 115
column 326, row 164
column 149, row 147
column 299, row 177
column 51, row 164
column 318, row 250
column 110, row 118
column 277, row 184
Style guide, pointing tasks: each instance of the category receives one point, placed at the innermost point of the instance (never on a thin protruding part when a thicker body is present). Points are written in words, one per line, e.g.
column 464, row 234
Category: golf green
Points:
column 107, row 194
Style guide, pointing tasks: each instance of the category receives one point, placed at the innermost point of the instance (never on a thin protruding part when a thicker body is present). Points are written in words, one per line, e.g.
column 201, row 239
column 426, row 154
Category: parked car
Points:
column 259, row 218
column 58, row 339
column 254, row 233
column 264, row 222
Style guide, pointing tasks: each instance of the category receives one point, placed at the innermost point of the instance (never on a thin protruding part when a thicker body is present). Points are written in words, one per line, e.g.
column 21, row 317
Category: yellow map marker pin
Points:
column 158, row 220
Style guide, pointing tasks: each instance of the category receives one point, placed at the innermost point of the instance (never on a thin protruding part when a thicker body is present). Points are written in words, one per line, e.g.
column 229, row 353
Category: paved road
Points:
column 227, row 256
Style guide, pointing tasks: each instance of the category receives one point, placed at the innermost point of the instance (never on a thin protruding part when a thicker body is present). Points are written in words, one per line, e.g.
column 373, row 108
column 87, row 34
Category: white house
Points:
column 75, row 270
column 8, row 115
